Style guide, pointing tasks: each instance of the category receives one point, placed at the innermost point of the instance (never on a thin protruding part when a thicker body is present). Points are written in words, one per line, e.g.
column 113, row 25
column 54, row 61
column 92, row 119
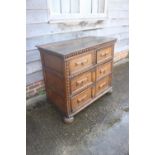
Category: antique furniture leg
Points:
column 110, row 91
column 68, row 120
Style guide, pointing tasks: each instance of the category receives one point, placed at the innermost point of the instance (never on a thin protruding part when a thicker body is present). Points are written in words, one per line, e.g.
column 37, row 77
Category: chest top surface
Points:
column 70, row 46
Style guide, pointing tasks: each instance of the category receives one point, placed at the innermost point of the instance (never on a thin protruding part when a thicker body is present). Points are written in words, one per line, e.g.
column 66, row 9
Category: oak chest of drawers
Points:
column 77, row 72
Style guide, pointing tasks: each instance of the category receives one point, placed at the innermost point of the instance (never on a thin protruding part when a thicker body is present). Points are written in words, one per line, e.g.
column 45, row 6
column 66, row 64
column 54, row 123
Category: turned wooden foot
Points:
column 110, row 91
column 68, row 120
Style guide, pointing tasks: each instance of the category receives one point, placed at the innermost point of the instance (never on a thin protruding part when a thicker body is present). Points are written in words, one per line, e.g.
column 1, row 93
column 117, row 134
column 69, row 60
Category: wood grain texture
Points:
column 103, row 84
column 104, row 54
column 67, row 47
column 80, row 81
column 80, row 99
column 36, row 16
column 103, row 70
column 35, row 76
column 32, row 56
column 43, row 29
column 81, row 61
column 36, row 4
column 71, row 92
column 45, row 39
column 118, row 14
column 34, row 66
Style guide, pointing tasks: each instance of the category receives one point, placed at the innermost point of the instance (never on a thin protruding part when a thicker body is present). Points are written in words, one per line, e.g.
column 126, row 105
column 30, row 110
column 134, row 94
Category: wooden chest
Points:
column 77, row 72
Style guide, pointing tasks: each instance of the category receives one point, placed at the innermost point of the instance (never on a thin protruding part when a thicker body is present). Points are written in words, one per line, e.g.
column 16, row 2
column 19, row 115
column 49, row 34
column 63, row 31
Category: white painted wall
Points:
column 39, row 31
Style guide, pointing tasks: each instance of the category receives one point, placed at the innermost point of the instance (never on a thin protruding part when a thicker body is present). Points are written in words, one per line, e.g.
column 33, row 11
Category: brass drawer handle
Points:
column 82, row 81
column 102, row 71
column 104, row 54
column 81, row 99
column 102, row 85
column 81, row 62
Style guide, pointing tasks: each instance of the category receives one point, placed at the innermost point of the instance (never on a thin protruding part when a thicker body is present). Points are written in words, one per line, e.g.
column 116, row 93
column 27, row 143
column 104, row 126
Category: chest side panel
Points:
column 53, row 68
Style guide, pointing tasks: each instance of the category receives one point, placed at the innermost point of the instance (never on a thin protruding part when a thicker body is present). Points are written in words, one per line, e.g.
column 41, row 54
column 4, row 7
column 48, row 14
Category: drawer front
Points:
column 81, row 99
column 103, row 84
column 103, row 70
column 80, row 62
column 104, row 54
column 81, row 81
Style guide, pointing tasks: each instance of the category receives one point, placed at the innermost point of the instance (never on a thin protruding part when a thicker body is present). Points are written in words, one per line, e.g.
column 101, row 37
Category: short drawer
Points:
column 103, row 70
column 81, row 99
column 103, row 84
column 80, row 62
column 104, row 54
column 81, row 81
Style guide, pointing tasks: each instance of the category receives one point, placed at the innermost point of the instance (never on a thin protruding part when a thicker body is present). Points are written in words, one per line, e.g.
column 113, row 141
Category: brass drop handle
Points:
column 82, row 81
column 102, row 85
column 82, row 98
column 81, row 62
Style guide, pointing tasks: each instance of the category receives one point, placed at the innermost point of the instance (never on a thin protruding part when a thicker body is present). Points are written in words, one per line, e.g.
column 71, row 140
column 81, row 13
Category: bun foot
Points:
column 110, row 91
column 68, row 120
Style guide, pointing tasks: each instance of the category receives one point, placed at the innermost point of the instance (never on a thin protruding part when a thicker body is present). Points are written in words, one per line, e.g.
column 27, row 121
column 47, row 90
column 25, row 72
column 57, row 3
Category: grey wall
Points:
column 39, row 31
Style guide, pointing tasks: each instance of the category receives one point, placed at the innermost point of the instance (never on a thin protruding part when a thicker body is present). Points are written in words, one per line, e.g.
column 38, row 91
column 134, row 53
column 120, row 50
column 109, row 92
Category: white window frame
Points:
column 54, row 18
